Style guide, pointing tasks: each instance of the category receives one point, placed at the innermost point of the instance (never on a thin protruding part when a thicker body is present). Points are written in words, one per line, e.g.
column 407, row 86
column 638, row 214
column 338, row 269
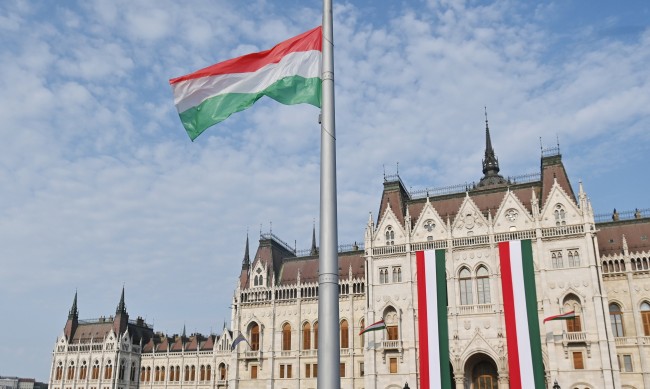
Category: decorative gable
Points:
column 560, row 209
column 469, row 220
column 512, row 215
column 429, row 225
column 389, row 230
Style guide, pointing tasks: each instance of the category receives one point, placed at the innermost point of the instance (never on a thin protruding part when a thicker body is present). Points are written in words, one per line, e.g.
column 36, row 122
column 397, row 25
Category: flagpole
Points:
column 328, row 278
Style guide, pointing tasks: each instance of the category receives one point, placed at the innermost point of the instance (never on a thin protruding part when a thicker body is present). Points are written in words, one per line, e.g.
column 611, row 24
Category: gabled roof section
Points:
column 395, row 195
column 552, row 169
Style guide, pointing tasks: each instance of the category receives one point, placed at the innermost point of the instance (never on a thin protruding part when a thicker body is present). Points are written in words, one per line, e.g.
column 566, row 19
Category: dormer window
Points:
column 258, row 279
column 390, row 236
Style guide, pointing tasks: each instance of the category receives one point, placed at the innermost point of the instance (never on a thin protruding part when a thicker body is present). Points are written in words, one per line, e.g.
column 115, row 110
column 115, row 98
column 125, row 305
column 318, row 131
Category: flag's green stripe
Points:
column 289, row 90
column 533, row 316
column 443, row 330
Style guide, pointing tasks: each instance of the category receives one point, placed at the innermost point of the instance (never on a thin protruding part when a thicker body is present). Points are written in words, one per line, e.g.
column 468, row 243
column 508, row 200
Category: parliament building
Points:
column 595, row 265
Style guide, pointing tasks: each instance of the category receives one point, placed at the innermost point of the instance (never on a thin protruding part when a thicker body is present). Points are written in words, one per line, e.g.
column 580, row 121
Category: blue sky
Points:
column 101, row 187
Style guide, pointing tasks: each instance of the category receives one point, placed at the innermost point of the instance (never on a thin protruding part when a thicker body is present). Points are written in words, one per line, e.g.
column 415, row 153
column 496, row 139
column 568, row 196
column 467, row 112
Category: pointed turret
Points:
column 314, row 248
column 246, row 263
column 121, row 320
column 490, row 162
column 74, row 312
column 73, row 319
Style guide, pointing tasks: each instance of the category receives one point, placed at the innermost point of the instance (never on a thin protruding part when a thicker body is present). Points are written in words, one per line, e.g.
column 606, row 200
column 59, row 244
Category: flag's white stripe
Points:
column 523, row 335
column 190, row 93
column 432, row 316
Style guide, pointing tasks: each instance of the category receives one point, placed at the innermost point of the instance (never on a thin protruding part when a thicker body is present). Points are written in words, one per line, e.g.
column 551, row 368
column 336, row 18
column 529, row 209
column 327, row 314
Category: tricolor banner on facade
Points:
column 289, row 73
column 433, row 329
column 523, row 337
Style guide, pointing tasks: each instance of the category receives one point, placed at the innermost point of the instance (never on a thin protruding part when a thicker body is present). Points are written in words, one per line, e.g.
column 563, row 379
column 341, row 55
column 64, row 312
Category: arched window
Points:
column 133, row 370
column 187, row 373
column 193, row 373
column 556, row 258
column 572, row 303
column 59, row 371
column 208, row 373
column 483, row 285
column 362, row 325
column 95, row 372
column 202, row 373
column 178, row 373
column 156, row 376
column 306, row 336
column 645, row 317
column 142, row 374
column 391, row 320
column 390, row 236
column 148, row 377
column 255, row 337
column 172, row 376
column 286, row 337
column 465, row 280
column 484, row 376
column 123, row 370
column 560, row 215
column 315, row 335
column 344, row 334
column 83, row 371
column 71, row 371
column 222, row 372
column 108, row 370
column 616, row 319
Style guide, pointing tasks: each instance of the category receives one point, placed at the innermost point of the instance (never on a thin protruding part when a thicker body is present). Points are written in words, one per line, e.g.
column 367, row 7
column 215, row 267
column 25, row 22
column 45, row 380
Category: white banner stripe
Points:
column 432, row 316
column 523, row 335
column 190, row 93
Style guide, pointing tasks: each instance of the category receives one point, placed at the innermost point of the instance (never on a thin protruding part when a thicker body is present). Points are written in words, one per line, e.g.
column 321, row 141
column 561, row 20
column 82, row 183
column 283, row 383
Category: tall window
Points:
column 202, row 373
column 71, row 371
column 95, row 371
column 391, row 320
column 344, row 334
column 133, row 370
column 574, row 258
column 485, row 375
column 254, row 372
column 572, row 303
column 397, row 274
column 483, row 285
column 187, row 373
column 390, row 236
column 171, row 374
column 222, row 372
column 315, row 335
column 560, row 215
column 393, row 365
column 255, row 337
column 122, row 370
column 83, row 371
column 306, row 336
column 616, row 318
column 193, row 374
column 286, row 337
column 383, row 275
column 178, row 373
column 156, row 376
column 645, row 317
column 556, row 258
column 465, row 280
column 578, row 362
column 59, row 371
column 208, row 373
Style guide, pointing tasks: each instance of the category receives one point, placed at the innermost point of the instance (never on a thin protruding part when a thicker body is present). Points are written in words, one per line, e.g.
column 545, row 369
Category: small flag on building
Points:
column 240, row 338
column 380, row 325
column 289, row 73
column 564, row 316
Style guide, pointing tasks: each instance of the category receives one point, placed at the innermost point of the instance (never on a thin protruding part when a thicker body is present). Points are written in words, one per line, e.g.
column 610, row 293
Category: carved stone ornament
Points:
column 429, row 225
column 511, row 214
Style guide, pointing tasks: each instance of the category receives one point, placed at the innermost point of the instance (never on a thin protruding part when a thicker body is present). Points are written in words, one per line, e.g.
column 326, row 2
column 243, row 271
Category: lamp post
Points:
column 556, row 385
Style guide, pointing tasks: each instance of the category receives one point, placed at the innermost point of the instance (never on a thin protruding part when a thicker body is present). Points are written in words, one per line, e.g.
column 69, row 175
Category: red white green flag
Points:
column 523, row 336
column 564, row 316
column 435, row 371
column 289, row 73
column 380, row 325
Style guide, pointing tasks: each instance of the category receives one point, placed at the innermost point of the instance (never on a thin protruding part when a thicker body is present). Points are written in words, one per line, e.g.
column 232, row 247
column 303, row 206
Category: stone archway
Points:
column 481, row 372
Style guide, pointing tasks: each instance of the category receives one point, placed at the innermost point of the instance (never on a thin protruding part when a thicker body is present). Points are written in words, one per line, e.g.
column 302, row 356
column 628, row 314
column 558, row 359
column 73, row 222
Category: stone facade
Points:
column 597, row 268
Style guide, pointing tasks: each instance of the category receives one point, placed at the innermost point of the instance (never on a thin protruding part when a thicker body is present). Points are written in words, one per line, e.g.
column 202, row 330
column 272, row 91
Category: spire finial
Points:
column 490, row 162
column 247, row 261
column 314, row 248
column 74, row 312
column 121, row 307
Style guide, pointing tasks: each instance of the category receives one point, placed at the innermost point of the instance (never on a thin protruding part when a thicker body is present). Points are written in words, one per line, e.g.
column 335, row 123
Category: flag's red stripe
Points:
column 422, row 320
column 310, row 40
column 510, row 317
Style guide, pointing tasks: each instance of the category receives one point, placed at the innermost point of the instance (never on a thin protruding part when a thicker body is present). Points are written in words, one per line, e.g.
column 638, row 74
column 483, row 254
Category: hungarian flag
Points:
column 564, row 316
column 523, row 336
column 435, row 370
column 380, row 325
column 289, row 73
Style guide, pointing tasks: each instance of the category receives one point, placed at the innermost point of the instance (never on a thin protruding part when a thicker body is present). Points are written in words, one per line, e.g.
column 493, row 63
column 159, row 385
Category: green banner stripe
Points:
column 443, row 326
column 533, row 315
column 289, row 90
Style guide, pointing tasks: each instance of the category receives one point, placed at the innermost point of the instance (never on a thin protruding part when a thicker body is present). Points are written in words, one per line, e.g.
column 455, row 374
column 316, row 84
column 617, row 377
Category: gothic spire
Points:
column 246, row 263
column 314, row 248
column 74, row 312
column 121, row 307
column 490, row 161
